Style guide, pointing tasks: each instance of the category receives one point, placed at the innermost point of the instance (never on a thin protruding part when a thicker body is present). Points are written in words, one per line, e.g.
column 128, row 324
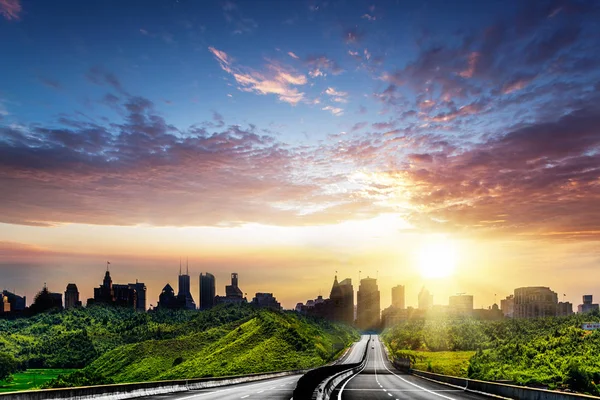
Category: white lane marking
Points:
column 349, row 379
column 389, row 394
column 268, row 381
column 260, row 391
column 243, row 397
column 410, row 383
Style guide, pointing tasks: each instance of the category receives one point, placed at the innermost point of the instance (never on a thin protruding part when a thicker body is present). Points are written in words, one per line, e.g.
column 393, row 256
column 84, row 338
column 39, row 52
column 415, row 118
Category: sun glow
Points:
column 437, row 258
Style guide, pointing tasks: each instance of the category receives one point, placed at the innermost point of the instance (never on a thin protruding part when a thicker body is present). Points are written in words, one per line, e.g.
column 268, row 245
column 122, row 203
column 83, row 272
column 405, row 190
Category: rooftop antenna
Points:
column 187, row 268
column 179, row 266
column 359, row 275
column 107, row 264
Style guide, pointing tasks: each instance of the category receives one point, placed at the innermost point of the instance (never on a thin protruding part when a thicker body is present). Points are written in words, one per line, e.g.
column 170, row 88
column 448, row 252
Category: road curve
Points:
column 268, row 389
column 379, row 380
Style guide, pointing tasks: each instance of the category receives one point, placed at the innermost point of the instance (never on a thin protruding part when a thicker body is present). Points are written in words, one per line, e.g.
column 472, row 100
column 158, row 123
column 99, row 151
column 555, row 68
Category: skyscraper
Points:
column 341, row 302
column 425, row 299
column 398, row 297
column 207, row 291
column 368, row 305
column 72, row 296
column 140, row 290
column 184, row 295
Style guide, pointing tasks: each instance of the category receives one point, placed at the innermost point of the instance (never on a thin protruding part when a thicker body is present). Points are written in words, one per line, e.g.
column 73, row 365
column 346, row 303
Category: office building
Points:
column 507, row 306
column 341, row 301
column 233, row 294
column 120, row 295
column 207, row 291
column 266, row 300
column 72, row 296
column 535, row 301
column 17, row 303
column 425, row 299
column 398, row 297
column 461, row 304
column 368, row 305
column 168, row 300
column 140, row 293
column 564, row 309
column 587, row 305
column 184, row 294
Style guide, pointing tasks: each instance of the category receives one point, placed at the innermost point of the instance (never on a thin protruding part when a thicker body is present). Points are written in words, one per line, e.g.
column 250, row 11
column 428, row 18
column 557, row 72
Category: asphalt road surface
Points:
column 268, row 389
column 380, row 380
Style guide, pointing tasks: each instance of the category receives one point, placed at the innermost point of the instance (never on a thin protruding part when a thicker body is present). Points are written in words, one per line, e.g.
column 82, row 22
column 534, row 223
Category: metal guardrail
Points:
column 488, row 388
column 320, row 382
column 131, row 390
column 500, row 389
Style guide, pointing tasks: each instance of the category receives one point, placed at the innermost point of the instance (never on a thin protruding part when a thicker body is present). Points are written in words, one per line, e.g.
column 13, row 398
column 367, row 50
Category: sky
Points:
column 451, row 145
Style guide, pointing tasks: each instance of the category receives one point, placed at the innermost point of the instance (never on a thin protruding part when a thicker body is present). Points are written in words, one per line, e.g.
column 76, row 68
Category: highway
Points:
column 268, row 389
column 380, row 380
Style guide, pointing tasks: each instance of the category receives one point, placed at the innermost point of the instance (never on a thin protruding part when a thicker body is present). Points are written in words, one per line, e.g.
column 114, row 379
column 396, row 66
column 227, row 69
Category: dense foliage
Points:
column 548, row 352
column 8, row 365
column 122, row 345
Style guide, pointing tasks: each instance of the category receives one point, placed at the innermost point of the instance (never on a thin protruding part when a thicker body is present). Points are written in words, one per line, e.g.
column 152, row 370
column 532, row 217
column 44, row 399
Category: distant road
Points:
column 380, row 380
column 268, row 389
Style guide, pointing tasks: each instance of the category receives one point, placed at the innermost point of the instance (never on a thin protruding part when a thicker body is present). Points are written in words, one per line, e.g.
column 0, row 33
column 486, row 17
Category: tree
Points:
column 8, row 366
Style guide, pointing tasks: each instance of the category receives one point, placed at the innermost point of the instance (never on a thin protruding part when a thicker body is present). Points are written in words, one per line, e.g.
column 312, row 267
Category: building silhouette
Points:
column 507, row 306
column 207, row 291
column 368, row 305
column 5, row 305
column 425, row 299
column 266, row 300
column 46, row 300
column 120, row 295
column 587, row 305
column 12, row 302
column 184, row 294
column 341, row 301
column 461, row 304
column 168, row 300
column 233, row 294
column 72, row 296
column 396, row 312
column 398, row 297
column 535, row 301
column 564, row 309
column 140, row 293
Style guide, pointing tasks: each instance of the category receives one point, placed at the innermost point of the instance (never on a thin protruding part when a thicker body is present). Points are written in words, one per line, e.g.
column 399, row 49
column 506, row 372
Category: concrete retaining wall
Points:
column 501, row 389
column 132, row 390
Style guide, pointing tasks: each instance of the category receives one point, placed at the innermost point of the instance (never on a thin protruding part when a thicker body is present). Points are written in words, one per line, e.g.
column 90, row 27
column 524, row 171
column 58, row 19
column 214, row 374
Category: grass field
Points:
column 31, row 379
column 455, row 363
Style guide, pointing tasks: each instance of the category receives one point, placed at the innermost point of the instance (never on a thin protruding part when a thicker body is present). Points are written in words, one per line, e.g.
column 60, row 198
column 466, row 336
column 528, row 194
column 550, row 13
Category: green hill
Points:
column 266, row 341
column 551, row 352
column 118, row 345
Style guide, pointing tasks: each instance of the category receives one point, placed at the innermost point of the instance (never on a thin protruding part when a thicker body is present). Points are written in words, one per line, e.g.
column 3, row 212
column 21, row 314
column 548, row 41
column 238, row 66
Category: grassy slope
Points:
column 455, row 363
column 266, row 341
column 31, row 379
column 553, row 352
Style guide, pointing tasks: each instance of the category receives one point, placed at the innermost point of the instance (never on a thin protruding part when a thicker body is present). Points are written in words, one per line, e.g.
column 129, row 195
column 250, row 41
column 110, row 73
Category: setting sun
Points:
column 437, row 258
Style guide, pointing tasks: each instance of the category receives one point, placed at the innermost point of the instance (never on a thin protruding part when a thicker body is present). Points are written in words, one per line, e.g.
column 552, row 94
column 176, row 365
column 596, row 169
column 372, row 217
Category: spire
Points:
column 187, row 267
column 179, row 266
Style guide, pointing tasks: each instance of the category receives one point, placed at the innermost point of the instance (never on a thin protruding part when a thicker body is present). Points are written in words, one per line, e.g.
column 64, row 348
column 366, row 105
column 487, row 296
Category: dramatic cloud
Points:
column 10, row 9
column 277, row 79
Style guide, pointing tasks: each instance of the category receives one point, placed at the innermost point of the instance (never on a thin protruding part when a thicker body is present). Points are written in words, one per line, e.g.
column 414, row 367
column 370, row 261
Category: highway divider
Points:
column 492, row 389
column 132, row 390
column 319, row 383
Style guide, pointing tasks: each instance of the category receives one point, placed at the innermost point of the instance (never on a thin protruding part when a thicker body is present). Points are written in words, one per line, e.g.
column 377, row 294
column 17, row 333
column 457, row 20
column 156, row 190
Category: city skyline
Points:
column 193, row 286
column 452, row 145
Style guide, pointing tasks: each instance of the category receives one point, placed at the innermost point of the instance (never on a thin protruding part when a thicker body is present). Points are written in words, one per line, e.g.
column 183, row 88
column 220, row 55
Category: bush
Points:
column 8, row 366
